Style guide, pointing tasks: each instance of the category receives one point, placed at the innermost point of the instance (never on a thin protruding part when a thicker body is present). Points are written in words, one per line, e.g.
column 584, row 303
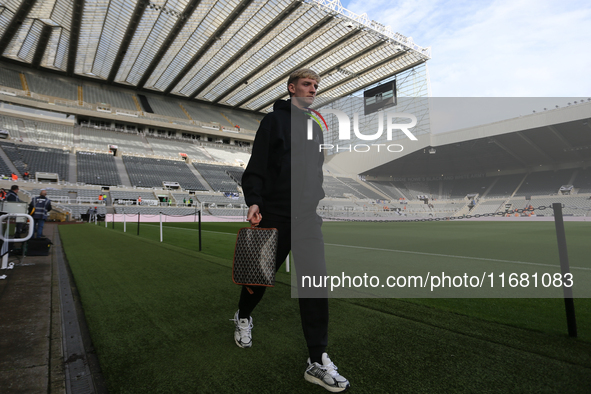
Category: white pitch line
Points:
column 456, row 257
column 412, row 252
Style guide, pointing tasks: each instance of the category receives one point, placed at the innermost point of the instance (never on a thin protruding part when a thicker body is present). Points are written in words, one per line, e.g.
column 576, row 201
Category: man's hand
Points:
column 254, row 216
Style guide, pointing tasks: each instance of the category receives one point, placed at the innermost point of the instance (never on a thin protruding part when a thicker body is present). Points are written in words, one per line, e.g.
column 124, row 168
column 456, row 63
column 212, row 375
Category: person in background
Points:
column 12, row 196
column 39, row 209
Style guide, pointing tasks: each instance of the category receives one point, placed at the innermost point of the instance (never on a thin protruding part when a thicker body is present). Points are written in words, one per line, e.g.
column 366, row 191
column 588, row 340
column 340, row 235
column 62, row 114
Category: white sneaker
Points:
column 326, row 375
column 242, row 335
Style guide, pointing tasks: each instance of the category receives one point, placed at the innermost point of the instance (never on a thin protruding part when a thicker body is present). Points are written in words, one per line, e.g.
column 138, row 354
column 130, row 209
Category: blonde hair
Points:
column 302, row 73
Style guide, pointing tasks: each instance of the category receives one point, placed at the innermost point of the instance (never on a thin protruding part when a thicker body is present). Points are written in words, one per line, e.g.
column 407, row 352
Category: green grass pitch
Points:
column 158, row 315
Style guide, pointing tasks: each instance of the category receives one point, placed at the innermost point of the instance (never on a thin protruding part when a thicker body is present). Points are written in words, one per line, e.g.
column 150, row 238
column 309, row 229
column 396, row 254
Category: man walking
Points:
column 286, row 200
column 39, row 208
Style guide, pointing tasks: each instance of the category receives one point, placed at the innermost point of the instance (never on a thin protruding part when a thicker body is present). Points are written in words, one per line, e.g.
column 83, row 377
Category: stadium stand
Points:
column 417, row 189
column 583, row 180
column 51, row 133
column 219, row 200
column 505, row 186
column 10, row 124
column 335, row 188
column 217, row 177
column 236, row 174
column 166, row 107
column 55, row 195
column 489, row 206
column 4, row 169
column 52, row 86
column 180, row 197
column 360, row 190
column 461, row 187
column 174, row 211
column 88, row 195
column 404, row 190
column 172, row 148
column 126, row 197
column 242, row 119
column 10, row 79
column 76, row 210
column 146, row 172
column 99, row 95
column 516, row 203
column 37, row 159
column 97, row 169
column 227, row 156
column 70, row 195
column 546, row 182
column 100, row 139
column 571, row 203
column 13, row 154
column 387, row 188
column 206, row 114
column 446, row 206
column 226, row 212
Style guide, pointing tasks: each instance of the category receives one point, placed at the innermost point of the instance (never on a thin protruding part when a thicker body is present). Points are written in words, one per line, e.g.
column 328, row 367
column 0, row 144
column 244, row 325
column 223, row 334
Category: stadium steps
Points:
column 204, row 151
column 490, row 188
column 465, row 210
column 73, row 169
column 22, row 130
column 185, row 111
column 24, row 84
column 147, row 145
column 76, row 135
column 368, row 186
column 199, row 177
column 397, row 189
column 571, row 181
column 125, row 181
column 9, row 163
column 518, row 186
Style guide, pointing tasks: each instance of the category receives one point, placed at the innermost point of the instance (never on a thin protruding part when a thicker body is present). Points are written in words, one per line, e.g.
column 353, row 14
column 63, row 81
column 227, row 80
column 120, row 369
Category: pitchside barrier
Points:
column 139, row 218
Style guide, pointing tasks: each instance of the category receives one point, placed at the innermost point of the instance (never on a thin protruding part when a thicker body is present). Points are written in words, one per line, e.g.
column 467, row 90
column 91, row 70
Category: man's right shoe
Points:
column 326, row 375
column 242, row 334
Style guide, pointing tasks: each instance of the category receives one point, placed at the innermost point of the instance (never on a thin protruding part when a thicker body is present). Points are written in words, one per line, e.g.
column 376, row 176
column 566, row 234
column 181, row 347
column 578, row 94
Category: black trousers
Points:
column 303, row 236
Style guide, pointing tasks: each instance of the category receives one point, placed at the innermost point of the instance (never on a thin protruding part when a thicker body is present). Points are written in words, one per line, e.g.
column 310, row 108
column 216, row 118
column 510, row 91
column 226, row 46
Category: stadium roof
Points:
column 548, row 140
column 231, row 52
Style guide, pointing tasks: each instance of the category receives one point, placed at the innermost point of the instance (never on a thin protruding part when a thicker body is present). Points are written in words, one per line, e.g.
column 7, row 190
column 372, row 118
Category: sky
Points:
column 496, row 48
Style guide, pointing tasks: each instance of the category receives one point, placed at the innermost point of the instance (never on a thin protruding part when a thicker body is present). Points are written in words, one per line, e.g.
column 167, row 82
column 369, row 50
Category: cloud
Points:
column 497, row 48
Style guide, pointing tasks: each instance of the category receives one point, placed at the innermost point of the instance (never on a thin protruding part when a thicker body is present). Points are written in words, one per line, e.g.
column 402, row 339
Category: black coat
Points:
column 284, row 165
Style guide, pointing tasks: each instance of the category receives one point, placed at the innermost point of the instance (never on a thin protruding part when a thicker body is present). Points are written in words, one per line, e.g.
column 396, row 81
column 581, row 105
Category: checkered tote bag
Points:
column 254, row 257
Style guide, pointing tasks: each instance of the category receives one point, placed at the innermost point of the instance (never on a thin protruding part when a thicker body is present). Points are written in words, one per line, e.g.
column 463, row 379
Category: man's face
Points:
column 303, row 92
column 43, row 193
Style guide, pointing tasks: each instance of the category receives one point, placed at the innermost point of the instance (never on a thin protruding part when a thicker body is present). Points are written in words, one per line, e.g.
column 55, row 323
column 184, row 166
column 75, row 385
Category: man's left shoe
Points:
column 326, row 375
column 242, row 334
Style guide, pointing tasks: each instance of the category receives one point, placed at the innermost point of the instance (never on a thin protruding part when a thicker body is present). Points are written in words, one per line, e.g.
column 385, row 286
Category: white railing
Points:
column 6, row 239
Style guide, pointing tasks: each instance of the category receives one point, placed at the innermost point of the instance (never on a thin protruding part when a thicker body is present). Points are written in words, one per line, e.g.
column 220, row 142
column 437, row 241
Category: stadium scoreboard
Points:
column 380, row 97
